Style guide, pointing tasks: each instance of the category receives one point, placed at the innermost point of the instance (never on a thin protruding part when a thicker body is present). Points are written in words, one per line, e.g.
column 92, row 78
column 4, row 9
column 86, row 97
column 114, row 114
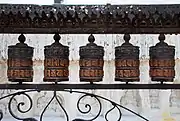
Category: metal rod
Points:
column 90, row 30
column 50, row 87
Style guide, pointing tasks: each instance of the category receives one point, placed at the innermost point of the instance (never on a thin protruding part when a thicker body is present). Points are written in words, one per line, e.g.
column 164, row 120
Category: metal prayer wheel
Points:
column 162, row 61
column 20, row 64
column 56, row 63
column 127, row 61
column 91, row 62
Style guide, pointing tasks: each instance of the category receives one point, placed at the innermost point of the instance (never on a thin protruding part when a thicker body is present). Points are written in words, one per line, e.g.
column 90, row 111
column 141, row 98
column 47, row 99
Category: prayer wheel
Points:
column 56, row 63
column 127, row 61
column 20, row 64
column 91, row 62
column 162, row 61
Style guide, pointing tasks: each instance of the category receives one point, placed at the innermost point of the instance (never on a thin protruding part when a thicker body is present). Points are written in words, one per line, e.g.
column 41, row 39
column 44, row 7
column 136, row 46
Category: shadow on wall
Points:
column 132, row 100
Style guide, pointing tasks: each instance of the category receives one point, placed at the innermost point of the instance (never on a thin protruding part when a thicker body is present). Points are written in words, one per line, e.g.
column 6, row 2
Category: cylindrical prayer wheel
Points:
column 56, row 63
column 91, row 62
column 127, row 61
column 20, row 64
column 162, row 61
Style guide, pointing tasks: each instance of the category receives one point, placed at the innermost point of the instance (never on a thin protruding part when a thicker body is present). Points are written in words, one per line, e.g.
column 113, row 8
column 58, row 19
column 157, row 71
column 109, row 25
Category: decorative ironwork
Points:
column 20, row 64
column 1, row 115
column 91, row 61
column 162, row 61
column 114, row 106
column 89, row 18
column 56, row 61
column 127, row 61
column 88, row 106
column 54, row 97
column 19, row 106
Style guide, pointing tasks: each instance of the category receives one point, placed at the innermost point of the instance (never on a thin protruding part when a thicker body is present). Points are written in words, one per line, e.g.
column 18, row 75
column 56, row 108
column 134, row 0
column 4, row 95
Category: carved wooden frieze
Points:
column 89, row 18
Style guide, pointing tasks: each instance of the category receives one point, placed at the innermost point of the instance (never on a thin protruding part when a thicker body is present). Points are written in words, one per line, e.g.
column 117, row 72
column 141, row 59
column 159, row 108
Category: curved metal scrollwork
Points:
column 114, row 107
column 1, row 115
column 19, row 105
column 89, row 107
column 59, row 103
column 86, row 110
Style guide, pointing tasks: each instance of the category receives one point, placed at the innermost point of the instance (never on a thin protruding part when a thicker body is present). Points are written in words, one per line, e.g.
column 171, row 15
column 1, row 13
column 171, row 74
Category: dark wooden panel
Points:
column 83, row 19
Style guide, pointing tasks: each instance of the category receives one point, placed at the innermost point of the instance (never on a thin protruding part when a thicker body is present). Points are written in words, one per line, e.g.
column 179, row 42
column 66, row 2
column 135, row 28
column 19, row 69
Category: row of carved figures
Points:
column 116, row 19
column 56, row 63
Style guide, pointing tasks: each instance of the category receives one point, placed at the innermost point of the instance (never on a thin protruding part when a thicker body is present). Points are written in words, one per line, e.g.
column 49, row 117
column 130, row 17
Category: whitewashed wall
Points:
column 151, row 103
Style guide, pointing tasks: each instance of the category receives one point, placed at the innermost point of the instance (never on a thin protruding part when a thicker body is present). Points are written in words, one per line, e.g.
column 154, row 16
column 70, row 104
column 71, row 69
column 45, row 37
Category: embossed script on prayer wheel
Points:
column 56, row 63
column 20, row 64
column 91, row 62
column 127, row 61
column 162, row 61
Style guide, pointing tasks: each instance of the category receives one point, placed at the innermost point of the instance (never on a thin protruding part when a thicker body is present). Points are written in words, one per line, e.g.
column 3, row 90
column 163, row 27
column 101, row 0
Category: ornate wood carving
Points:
column 90, row 18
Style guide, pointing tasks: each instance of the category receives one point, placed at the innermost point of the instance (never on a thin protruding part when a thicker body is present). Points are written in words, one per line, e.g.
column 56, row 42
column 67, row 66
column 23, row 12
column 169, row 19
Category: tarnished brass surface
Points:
column 162, row 61
column 20, row 64
column 91, row 61
column 56, row 63
column 127, row 61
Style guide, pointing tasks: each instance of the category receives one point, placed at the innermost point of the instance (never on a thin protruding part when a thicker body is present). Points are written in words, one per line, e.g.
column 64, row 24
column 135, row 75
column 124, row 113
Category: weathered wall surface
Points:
column 151, row 103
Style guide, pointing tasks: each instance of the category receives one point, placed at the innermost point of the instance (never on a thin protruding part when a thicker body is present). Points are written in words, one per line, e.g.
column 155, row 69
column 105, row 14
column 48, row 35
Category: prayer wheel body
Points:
column 20, row 64
column 91, row 62
column 162, row 61
column 56, row 63
column 127, row 61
